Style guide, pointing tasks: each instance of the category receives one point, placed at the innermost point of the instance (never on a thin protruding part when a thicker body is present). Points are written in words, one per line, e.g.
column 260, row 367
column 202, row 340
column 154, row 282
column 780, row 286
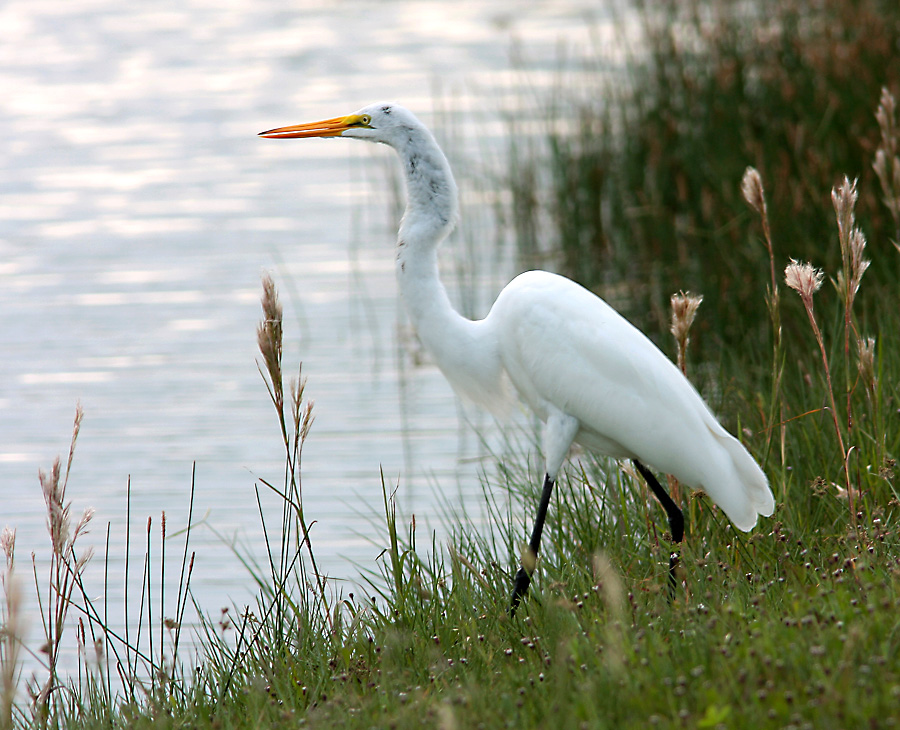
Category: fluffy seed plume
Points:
column 852, row 240
column 81, row 527
column 269, row 336
column 752, row 189
column 684, row 311
column 53, row 485
column 804, row 278
column 84, row 559
column 858, row 264
column 58, row 521
column 8, row 546
column 844, row 198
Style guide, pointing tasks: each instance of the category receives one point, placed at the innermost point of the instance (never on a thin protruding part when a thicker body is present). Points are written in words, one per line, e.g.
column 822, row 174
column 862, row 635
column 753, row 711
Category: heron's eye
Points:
column 365, row 119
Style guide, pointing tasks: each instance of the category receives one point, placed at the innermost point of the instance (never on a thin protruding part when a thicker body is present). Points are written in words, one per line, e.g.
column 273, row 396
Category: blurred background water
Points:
column 137, row 211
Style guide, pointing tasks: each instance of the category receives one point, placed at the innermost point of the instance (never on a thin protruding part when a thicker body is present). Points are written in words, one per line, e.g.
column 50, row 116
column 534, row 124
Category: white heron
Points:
column 588, row 373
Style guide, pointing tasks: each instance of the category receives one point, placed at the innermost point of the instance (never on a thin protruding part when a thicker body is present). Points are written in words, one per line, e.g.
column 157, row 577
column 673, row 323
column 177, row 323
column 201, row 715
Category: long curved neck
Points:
column 459, row 346
column 431, row 213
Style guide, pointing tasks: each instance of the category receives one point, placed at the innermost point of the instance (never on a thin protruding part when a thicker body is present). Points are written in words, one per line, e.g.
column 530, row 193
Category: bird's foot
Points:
column 523, row 580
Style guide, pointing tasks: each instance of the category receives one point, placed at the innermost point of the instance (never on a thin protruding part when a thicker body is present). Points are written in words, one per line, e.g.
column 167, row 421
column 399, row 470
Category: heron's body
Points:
column 638, row 404
column 588, row 374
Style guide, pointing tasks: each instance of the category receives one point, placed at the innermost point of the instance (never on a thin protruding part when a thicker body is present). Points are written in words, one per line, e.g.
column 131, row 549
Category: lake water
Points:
column 137, row 211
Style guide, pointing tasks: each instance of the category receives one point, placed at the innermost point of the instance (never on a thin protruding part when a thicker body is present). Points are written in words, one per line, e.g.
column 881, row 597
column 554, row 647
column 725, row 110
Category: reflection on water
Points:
column 137, row 210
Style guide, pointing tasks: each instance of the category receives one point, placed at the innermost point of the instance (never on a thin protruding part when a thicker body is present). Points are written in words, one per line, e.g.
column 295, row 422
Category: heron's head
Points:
column 383, row 122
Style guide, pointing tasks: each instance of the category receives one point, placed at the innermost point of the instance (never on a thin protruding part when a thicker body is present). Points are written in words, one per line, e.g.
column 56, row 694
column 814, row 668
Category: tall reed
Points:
column 296, row 616
column 66, row 568
column 754, row 193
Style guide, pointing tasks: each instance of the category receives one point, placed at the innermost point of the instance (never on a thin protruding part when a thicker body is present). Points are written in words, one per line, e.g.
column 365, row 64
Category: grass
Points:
column 792, row 626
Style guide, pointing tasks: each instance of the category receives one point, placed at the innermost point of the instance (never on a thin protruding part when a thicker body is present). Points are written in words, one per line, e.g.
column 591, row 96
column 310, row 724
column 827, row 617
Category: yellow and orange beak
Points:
column 326, row 128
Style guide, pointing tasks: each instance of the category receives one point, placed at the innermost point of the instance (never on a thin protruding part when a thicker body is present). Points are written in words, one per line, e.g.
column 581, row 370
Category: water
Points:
column 137, row 210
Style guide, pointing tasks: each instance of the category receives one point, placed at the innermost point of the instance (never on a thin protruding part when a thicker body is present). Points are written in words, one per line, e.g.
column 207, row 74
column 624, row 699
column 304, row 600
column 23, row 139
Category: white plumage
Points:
column 588, row 374
column 630, row 400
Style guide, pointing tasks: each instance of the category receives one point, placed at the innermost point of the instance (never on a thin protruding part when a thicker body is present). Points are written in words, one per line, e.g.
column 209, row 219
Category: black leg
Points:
column 523, row 577
column 675, row 515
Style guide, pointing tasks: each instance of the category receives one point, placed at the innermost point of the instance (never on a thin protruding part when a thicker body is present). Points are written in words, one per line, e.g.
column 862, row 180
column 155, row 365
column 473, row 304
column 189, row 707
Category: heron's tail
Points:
column 742, row 490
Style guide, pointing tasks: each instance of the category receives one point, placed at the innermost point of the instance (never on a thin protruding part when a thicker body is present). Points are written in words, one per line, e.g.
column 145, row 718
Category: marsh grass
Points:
column 641, row 161
column 114, row 672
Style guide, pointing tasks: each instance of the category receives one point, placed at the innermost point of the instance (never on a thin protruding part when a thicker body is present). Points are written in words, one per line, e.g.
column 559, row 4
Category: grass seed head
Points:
column 269, row 332
column 886, row 116
column 81, row 527
column 857, row 246
column 887, row 168
column 684, row 311
column 8, row 546
column 844, row 198
column 752, row 189
column 880, row 167
column 803, row 278
column 83, row 560
column 58, row 521
column 307, row 420
column 866, row 362
column 858, row 264
column 852, row 240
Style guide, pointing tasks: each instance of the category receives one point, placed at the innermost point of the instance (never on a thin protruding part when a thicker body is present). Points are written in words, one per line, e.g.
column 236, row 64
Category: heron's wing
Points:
column 565, row 348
